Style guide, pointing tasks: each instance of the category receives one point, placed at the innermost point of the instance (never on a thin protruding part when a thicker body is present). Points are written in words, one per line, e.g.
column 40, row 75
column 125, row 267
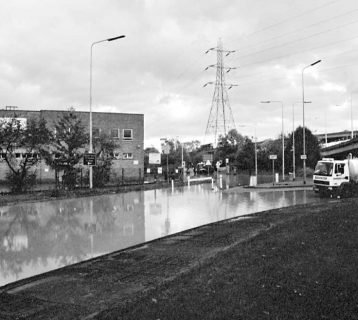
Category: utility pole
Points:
column 221, row 119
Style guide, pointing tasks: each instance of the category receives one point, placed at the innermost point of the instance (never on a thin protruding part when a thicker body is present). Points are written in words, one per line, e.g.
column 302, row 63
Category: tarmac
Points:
column 92, row 288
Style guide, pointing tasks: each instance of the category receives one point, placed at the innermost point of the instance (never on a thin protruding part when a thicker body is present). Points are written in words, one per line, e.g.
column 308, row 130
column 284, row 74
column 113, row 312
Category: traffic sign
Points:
column 166, row 149
column 273, row 156
column 303, row 156
column 89, row 159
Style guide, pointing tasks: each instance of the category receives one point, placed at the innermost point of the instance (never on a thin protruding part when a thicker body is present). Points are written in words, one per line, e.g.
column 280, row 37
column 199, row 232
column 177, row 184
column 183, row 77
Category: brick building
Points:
column 126, row 130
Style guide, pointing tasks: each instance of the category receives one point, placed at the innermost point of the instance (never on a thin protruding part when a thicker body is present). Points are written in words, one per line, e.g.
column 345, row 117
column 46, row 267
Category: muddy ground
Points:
column 291, row 263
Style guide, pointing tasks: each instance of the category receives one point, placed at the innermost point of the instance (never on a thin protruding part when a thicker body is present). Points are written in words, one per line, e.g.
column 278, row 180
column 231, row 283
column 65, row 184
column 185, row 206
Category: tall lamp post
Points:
column 90, row 105
column 303, row 120
column 283, row 138
column 293, row 141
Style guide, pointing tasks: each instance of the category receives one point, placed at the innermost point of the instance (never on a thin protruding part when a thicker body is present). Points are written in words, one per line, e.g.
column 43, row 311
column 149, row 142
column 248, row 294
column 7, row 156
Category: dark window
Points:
column 127, row 155
column 127, row 134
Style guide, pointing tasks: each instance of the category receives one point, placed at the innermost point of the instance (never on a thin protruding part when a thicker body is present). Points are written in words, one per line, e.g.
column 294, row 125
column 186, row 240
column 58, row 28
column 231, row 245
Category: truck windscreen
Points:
column 324, row 169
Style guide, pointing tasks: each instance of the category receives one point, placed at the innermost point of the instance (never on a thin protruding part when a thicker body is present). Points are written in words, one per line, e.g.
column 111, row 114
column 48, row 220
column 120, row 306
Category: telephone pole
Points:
column 221, row 119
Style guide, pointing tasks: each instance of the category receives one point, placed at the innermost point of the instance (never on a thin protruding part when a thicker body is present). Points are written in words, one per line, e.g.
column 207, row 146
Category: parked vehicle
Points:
column 338, row 178
column 203, row 169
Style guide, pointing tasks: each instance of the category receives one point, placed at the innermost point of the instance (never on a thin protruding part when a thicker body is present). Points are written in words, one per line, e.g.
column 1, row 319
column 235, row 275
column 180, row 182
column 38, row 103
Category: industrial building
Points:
column 126, row 131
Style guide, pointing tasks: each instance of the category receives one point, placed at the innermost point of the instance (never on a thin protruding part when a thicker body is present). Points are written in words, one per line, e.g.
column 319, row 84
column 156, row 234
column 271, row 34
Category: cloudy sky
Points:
column 159, row 68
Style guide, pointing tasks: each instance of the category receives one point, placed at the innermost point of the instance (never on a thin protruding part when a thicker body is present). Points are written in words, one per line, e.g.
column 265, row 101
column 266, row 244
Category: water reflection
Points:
column 42, row 236
column 38, row 237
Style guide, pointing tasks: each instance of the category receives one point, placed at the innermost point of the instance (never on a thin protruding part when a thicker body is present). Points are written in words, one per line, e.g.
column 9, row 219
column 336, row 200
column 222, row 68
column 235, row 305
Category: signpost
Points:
column 273, row 157
column 154, row 158
column 208, row 157
column 89, row 159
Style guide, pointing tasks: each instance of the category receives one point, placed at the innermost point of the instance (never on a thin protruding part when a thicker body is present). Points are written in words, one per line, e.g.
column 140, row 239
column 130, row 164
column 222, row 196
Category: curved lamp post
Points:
column 303, row 120
column 90, row 105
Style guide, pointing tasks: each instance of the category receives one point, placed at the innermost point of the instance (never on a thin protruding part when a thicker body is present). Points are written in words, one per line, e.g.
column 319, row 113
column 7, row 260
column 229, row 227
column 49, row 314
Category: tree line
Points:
column 240, row 152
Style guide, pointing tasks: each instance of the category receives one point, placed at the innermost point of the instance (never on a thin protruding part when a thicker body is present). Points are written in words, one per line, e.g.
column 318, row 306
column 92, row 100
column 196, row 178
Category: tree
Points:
column 22, row 147
column 67, row 147
column 103, row 147
column 229, row 146
column 312, row 149
column 246, row 156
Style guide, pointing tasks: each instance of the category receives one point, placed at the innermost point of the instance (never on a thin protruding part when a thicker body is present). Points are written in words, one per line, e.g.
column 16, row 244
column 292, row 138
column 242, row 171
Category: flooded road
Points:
column 38, row 237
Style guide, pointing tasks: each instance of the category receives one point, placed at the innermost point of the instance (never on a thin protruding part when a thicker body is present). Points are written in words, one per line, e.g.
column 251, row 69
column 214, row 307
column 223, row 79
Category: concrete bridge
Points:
column 341, row 150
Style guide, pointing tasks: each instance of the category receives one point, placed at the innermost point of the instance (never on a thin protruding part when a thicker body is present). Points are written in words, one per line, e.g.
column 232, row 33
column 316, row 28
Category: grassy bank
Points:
column 304, row 268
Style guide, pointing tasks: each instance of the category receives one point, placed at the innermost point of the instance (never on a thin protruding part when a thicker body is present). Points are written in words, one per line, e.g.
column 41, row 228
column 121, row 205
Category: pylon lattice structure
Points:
column 221, row 119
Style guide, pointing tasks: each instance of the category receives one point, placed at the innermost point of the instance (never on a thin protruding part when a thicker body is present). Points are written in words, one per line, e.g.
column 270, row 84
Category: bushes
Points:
column 18, row 183
column 309, row 172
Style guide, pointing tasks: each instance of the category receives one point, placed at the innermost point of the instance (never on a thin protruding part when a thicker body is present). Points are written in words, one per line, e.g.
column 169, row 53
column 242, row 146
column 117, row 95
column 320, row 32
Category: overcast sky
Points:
column 158, row 69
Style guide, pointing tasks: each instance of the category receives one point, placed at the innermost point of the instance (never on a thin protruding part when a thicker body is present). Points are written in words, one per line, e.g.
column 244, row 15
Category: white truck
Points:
column 336, row 178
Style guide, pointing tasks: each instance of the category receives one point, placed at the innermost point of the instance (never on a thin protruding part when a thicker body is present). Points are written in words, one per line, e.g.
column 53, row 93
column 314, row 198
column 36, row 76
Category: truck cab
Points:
column 330, row 176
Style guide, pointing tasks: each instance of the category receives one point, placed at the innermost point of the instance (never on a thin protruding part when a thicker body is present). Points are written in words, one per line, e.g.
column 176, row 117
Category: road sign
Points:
column 89, row 159
column 273, row 156
column 303, row 156
column 154, row 158
column 166, row 149
column 208, row 156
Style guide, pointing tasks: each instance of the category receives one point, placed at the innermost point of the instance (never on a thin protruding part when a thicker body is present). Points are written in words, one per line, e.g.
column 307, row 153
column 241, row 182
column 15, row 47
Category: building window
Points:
column 127, row 155
column 115, row 133
column 127, row 134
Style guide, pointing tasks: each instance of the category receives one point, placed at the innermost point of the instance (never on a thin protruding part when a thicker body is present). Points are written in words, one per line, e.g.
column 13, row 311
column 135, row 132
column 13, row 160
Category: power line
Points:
column 292, row 18
column 307, row 27
column 301, row 39
column 299, row 52
column 263, row 74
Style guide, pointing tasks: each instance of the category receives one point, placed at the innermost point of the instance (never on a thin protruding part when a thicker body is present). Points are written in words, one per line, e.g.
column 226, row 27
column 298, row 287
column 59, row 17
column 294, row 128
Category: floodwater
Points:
column 38, row 237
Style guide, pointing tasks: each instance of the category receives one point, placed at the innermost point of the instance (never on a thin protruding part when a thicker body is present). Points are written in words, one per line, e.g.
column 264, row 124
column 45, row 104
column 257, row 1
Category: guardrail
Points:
column 201, row 179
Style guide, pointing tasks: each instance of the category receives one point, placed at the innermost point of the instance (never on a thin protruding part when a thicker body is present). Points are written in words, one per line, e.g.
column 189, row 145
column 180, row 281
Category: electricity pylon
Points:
column 221, row 119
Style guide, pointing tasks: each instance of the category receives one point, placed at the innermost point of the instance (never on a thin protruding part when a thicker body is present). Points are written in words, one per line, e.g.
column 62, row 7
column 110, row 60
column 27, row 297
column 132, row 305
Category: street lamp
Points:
column 283, row 139
column 303, row 121
column 293, row 140
column 90, row 105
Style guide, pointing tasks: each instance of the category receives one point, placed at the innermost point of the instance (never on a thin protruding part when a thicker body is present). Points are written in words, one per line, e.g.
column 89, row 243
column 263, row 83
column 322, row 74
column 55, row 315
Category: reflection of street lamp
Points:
column 90, row 108
column 283, row 139
column 303, row 122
